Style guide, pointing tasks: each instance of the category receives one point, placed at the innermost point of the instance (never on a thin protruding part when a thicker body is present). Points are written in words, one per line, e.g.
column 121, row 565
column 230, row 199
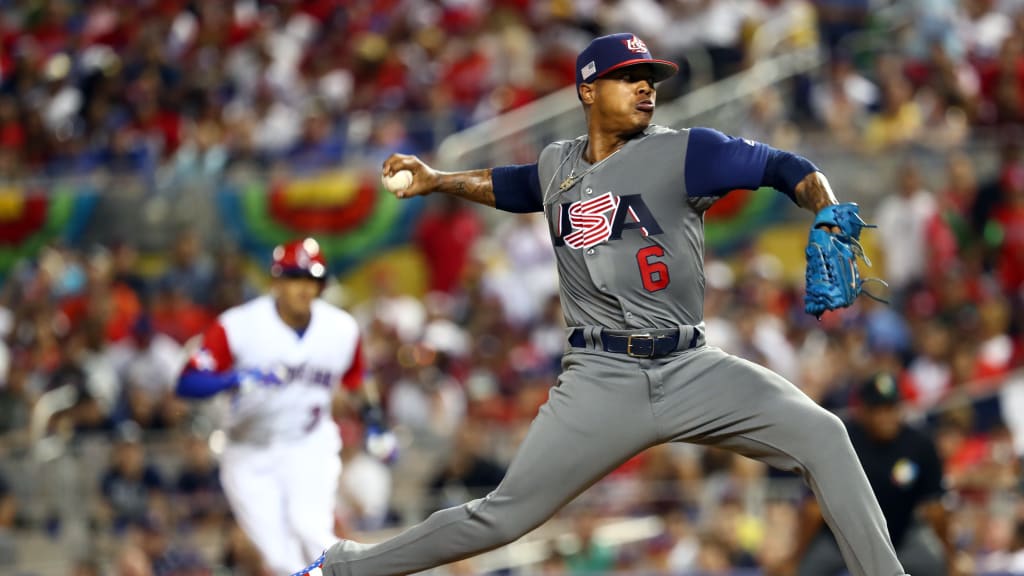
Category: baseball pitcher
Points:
column 625, row 206
column 276, row 362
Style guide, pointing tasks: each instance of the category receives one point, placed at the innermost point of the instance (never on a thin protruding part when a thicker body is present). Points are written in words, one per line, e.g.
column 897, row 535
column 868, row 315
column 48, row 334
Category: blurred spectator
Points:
column 661, row 476
column 978, row 463
column 364, row 491
column 88, row 409
column 525, row 275
column 130, row 485
column 682, row 557
column 1008, row 232
column 901, row 220
column 929, row 376
column 169, row 558
column 15, row 406
column 468, row 472
column 203, row 154
column 8, row 515
column 740, row 532
column 191, row 271
column 996, row 349
column 1002, row 84
column 177, row 316
column 721, row 33
column 983, row 28
column 592, row 556
column 427, row 400
column 713, row 556
column 86, row 568
column 903, row 467
column 788, row 24
column 898, row 123
column 838, row 19
column 198, row 484
column 948, row 234
column 104, row 301
column 445, row 236
column 319, row 147
column 991, row 195
column 842, row 102
column 230, row 283
column 132, row 561
column 148, row 363
column 126, row 273
column 553, row 564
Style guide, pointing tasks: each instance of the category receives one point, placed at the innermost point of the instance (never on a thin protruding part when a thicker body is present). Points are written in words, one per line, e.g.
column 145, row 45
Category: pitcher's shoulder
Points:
column 657, row 133
column 560, row 148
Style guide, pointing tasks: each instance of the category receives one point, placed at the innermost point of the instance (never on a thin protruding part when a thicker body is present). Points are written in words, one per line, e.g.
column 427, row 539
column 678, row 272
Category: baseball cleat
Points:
column 314, row 569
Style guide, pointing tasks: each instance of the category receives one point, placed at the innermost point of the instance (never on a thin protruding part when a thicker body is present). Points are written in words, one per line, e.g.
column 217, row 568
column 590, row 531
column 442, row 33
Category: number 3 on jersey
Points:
column 653, row 273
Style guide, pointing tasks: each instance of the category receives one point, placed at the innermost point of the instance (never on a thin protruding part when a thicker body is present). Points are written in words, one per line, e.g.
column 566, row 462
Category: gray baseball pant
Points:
column 605, row 409
column 920, row 552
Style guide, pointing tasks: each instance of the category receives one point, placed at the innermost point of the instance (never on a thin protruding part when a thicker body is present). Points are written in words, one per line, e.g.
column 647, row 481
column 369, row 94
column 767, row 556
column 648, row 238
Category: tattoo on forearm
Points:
column 814, row 192
column 473, row 185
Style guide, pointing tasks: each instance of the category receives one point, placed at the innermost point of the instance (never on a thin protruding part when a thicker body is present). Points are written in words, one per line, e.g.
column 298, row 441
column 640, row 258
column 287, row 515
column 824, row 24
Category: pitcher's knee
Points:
column 508, row 529
column 823, row 435
column 501, row 519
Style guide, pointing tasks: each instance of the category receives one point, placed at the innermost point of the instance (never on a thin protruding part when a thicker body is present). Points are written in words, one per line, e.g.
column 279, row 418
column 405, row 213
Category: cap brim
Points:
column 296, row 273
column 663, row 69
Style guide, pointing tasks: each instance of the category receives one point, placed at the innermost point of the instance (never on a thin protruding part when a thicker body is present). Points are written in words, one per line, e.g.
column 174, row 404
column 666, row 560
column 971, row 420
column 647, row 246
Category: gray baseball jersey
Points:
column 628, row 234
column 629, row 243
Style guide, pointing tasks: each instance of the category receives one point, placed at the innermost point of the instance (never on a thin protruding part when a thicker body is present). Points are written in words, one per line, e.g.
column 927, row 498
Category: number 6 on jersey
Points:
column 653, row 273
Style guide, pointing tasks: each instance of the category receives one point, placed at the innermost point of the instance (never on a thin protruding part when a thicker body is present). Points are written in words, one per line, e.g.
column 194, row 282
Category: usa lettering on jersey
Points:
column 586, row 223
column 305, row 372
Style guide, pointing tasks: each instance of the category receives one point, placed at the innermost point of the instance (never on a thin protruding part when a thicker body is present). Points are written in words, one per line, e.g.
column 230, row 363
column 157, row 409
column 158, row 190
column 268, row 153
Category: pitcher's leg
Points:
column 593, row 421
column 715, row 398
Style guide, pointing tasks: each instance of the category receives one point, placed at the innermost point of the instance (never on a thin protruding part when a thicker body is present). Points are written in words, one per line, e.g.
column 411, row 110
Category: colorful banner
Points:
column 348, row 212
column 741, row 215
column 31, row 219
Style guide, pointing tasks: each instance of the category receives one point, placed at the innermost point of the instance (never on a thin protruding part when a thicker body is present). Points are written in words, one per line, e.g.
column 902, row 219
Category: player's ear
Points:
column 587, row 93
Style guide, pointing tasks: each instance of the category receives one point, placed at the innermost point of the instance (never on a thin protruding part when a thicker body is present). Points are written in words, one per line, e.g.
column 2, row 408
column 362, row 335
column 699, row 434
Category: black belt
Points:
column 637, row 345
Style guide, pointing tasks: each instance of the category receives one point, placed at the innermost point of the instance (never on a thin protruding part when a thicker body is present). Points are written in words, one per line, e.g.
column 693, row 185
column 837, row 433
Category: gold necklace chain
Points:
column 572, row 179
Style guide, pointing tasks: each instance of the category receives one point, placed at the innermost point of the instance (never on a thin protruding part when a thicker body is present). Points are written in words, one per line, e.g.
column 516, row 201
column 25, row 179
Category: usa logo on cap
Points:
column 636, row 45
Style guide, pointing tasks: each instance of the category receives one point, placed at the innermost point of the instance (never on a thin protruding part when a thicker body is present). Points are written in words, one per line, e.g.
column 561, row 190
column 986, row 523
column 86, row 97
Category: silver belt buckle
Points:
column 629, row 346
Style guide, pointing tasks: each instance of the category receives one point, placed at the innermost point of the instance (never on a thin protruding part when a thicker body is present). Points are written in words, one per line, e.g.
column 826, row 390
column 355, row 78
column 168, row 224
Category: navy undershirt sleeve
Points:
column 784, row 170
column 517, row 188
column 717, row 164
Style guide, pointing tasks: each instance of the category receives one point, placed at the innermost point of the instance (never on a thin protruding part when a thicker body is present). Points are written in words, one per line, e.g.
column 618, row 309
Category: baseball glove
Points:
column 833, row 279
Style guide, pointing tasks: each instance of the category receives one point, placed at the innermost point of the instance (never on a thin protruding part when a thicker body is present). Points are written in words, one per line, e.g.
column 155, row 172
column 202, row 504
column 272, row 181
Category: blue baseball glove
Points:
column 833, row 279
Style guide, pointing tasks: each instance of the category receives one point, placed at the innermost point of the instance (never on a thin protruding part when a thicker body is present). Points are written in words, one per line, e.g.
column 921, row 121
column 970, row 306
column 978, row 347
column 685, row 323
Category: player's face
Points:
column 295, row 295
column 624, row 99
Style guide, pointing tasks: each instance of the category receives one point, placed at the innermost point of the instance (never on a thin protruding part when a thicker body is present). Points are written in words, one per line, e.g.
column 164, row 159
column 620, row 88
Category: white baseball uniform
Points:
column 276, row 432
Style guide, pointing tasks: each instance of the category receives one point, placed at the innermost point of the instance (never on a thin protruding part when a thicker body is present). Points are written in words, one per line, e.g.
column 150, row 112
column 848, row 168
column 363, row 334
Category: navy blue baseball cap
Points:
column 616, row 51
column 880, row 389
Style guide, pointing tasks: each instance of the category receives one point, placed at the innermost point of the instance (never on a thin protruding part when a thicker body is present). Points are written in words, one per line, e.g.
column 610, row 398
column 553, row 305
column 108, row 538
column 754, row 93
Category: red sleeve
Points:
column 352, row 379
column 214, row 355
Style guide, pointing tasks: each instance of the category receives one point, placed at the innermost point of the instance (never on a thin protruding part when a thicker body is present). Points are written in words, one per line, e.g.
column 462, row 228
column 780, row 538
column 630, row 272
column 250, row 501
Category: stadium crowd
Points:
column 169, row 87
column 196, row 88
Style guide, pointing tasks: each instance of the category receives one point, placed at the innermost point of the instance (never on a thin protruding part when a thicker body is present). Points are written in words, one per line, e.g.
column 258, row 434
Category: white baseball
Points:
column 398, row 181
